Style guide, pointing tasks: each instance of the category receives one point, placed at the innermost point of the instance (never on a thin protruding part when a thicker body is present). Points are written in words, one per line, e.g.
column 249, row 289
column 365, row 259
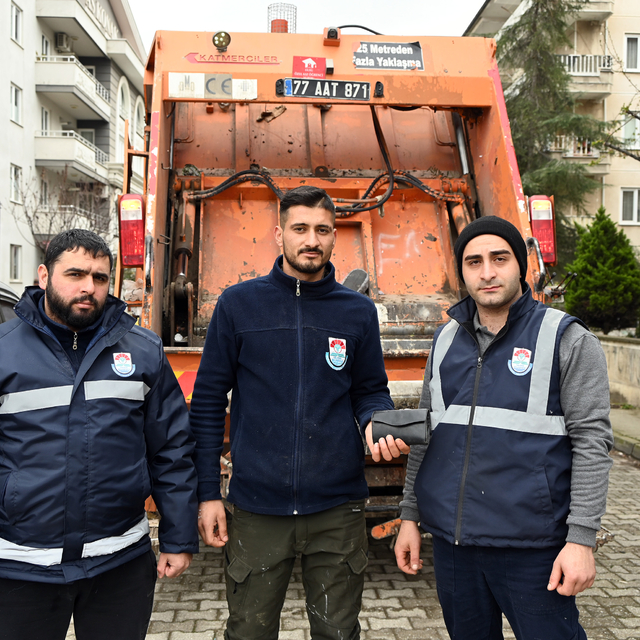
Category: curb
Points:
column 627, row 445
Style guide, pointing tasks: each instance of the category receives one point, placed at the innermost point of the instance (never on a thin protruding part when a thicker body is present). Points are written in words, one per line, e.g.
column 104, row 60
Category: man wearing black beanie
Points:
column 513, row 484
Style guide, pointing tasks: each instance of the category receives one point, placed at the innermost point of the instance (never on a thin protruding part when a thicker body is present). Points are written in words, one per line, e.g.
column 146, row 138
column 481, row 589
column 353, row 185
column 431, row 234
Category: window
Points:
column 631, row 60
column 15, row 179
column 16, row 23
column 44, row 120
column 16, row 104
column 44, row 192
column 45, row 47
column 88, row 134
column 631, row 133
column 15, row 262
column 630, row 206
column 91, row 69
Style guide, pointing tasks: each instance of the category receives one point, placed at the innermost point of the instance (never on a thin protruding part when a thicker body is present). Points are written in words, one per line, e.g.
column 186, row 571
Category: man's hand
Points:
column 407, row 547
column 386, row 448
column 171, row 565
column 212, row 523
column 574, row 570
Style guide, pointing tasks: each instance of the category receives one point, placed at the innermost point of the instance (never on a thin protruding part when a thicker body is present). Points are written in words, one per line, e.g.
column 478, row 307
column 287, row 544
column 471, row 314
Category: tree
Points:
column 49, row 203
column 606, row 292
column 541, row 107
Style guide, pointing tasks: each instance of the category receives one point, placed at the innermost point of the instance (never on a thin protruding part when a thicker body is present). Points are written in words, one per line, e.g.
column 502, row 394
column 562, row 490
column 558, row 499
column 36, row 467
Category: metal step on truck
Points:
column 408, row 135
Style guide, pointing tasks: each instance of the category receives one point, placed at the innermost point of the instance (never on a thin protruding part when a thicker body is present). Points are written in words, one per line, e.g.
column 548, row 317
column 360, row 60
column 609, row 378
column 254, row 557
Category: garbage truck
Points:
column 409, row 136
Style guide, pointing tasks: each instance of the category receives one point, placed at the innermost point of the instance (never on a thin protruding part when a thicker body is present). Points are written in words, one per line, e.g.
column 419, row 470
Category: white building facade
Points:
column 73, row 74
column 604, row 64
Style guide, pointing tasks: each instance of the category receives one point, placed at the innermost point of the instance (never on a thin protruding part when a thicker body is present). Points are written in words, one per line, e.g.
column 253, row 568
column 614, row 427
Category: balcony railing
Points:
column 586, row 65
column 573, row 147
column 99, row 155
column 85, row 80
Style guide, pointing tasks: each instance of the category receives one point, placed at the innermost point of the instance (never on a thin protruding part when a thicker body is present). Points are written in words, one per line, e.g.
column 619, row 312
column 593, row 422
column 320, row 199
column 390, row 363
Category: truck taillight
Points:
column 543, row 226
column 132, row 230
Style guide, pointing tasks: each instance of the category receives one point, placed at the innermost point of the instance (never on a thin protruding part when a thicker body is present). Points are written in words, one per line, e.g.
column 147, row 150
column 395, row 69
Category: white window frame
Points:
column 15, row 183
column 631, row 133
column 16, row 23
column 45, row 45
column 15, row 263
column 636, row 37
column 44, row 193
column 16, row 104
column 635, row 211
column 91, row 68
column 45, row 120
column 91, row 137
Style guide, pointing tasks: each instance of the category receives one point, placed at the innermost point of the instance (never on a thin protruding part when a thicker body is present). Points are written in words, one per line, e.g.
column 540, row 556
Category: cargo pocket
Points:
column 358, row 561
column 237, row 574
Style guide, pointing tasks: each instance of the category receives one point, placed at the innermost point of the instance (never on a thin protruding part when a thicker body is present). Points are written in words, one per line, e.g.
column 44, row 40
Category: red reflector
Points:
column 543, row 227
column 132, row 230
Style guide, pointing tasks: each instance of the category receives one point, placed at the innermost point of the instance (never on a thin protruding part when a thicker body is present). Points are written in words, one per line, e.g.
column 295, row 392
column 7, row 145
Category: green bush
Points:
column 606, row 291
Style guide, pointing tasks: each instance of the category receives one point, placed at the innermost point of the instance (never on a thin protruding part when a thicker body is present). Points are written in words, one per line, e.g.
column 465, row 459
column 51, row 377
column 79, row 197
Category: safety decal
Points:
column 123, row 365
column 520, row 363
column 405, row 56
column 337, row 354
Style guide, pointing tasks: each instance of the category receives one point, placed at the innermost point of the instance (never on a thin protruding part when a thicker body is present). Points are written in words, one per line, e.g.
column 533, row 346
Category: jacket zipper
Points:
column 298, row 401
column 467, row 453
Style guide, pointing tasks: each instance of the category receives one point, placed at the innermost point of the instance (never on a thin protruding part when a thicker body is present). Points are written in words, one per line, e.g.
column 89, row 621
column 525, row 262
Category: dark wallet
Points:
column 410, row 425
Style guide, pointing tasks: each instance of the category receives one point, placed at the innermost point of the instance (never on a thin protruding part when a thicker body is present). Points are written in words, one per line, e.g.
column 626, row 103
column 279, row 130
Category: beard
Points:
column 64, row 312
column 304, row 265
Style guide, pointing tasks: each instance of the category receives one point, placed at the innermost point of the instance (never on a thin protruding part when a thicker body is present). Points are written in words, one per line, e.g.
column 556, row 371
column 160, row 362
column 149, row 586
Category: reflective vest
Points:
column 498, row 468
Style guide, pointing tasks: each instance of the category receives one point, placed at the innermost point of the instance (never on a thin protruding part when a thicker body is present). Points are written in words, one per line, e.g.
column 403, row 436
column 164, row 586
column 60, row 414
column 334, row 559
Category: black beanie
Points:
column 495, row 226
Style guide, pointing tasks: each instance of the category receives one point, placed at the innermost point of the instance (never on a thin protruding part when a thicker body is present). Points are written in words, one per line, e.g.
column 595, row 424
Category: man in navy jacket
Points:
column 302, row 357
column 514, row 481
column 92, row 421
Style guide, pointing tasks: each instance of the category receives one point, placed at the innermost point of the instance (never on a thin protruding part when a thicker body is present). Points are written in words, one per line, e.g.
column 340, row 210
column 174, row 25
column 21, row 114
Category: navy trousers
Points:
column 476, row 585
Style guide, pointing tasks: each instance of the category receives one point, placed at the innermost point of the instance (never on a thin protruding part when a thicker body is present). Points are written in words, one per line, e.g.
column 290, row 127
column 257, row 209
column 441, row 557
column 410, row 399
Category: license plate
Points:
column 332, row 89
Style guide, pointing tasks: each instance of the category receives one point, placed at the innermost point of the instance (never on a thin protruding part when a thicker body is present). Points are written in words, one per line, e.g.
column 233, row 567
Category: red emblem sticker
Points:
column 308, row 67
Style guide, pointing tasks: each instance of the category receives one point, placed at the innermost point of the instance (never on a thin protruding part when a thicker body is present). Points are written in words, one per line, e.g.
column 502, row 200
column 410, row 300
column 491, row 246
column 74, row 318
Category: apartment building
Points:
column 604, row 64
column 73, row 72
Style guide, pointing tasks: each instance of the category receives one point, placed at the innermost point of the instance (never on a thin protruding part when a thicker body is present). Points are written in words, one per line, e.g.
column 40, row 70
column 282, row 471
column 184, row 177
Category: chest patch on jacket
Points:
column 337, row 354
column 520, row 363
column 123, row 365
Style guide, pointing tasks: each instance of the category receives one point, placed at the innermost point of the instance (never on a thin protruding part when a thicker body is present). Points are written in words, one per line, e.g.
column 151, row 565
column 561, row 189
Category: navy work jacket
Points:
column 80, row 452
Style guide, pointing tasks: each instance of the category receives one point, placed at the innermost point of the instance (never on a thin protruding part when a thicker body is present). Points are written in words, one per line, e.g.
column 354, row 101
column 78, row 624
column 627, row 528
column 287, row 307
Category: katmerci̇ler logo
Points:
column 123, row 365
column 337, row 354
column 520, row 363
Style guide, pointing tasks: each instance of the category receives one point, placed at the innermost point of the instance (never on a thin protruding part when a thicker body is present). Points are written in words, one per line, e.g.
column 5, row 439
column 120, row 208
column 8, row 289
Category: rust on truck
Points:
column 410, row 155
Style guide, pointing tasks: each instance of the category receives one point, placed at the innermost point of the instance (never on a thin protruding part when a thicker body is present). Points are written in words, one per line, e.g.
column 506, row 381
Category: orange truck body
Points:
column 439, row 116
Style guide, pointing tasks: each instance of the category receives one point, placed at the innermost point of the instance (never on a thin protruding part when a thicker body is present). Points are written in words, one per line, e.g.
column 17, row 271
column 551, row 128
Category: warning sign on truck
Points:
column 388, row 55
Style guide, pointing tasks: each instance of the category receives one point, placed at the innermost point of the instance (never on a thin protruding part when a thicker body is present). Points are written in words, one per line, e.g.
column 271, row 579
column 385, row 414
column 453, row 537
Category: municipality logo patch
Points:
column 337, row 354
column 123, row 365
column 520, row 363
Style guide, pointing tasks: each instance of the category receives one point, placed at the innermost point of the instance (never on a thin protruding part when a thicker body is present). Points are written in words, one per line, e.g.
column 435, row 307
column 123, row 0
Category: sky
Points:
column 388, row 17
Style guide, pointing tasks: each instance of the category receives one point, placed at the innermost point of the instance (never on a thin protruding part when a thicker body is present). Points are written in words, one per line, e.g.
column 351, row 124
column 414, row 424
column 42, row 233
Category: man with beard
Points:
column 513, row 483
column 302, row 357
column 92, row 421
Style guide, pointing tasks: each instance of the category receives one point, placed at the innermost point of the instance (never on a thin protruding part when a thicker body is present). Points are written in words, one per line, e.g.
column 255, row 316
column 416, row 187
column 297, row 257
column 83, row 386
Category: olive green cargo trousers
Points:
column 259, row 559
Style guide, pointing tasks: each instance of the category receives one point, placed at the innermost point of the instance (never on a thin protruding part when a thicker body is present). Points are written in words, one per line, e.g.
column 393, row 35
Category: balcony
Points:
column 60, row 149
column 591, row 75
column 70, row 85
column 581, row 150
column 595, row 11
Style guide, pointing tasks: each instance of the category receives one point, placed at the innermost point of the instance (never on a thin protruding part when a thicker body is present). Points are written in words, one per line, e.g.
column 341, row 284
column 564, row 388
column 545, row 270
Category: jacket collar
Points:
column 28, row 310
column 308, row 289
column 464, row 311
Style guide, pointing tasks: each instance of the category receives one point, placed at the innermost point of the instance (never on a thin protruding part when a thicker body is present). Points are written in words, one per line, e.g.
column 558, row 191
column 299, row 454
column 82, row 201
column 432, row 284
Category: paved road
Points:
column 399, row 607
